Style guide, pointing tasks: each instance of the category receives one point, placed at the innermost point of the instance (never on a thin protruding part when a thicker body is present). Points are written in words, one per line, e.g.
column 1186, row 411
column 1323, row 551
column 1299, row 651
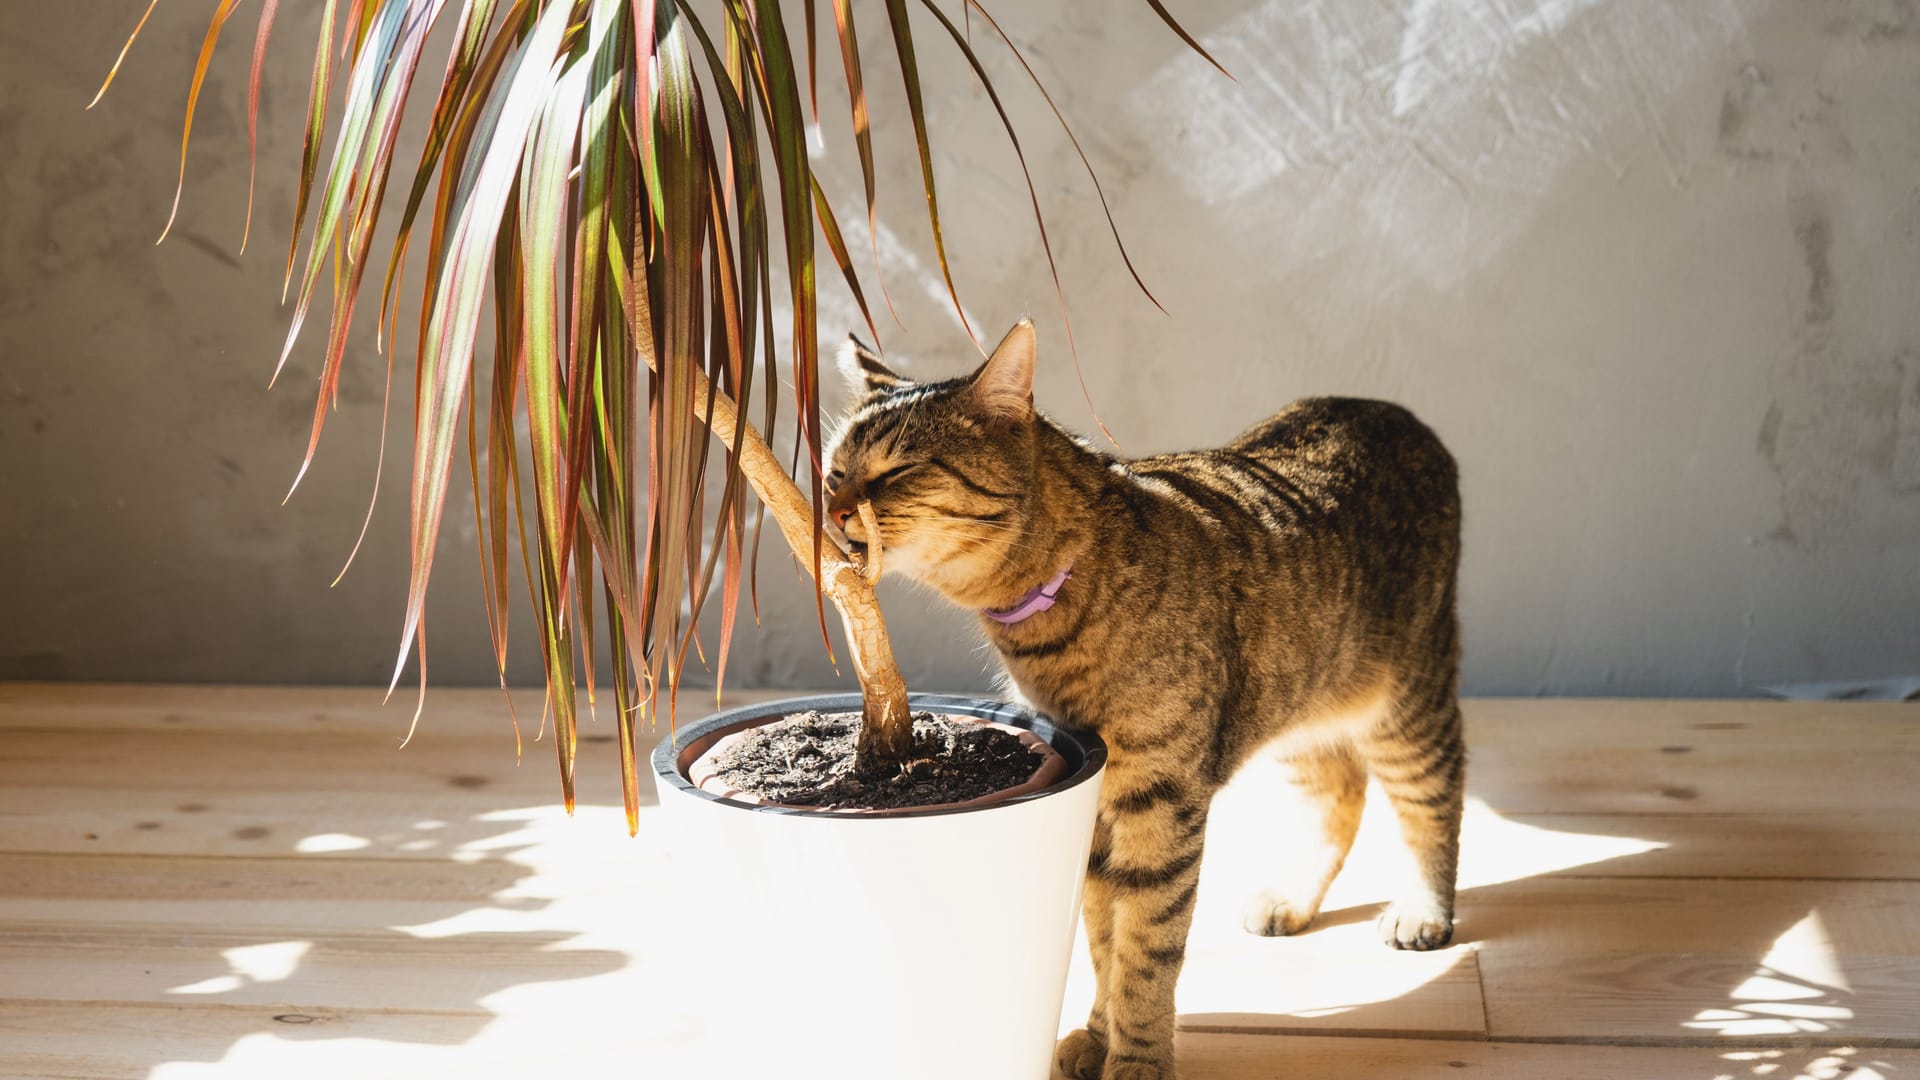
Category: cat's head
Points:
column 947, row 466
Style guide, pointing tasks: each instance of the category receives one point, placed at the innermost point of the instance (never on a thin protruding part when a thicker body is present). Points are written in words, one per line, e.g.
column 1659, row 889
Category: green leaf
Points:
column 470, row 77
column 786, row 132
column 547, row 160
column 454, row 321
column 317, row 96
column 679, row 313
column 357, row 116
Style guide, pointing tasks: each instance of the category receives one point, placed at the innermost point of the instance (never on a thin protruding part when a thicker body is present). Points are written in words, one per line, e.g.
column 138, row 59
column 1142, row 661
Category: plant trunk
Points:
column 886, row 730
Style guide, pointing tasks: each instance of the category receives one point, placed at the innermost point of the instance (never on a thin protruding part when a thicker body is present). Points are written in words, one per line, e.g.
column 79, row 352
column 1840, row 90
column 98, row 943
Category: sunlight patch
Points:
column 1499, row 849
column 219, row 984
column 267, row 963
column 1798, row 989
column 1806, row 951
column 1833, row 1065
column 326, row 842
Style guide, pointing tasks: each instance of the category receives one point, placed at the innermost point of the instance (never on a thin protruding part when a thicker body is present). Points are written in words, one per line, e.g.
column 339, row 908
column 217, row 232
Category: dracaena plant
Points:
column 606, row 181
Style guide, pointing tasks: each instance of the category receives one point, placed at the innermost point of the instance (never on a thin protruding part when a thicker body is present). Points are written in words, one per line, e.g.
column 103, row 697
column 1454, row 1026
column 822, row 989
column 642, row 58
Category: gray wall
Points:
column 1650, row 268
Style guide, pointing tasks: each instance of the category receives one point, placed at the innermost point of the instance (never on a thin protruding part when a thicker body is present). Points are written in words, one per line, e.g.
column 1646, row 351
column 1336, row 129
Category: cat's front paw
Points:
column 1269, row 914
column 1080, row 1056
column 1419, row 928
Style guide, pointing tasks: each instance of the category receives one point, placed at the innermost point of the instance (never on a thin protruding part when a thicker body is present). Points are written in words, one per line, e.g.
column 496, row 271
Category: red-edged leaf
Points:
column 779, row 94
column 916, row 111
column 454, row 322
column 1033, row 196
column 260, row 37
column 1167, row 17
column 365, row 189
column 680, row 314
column 646, row 21
column 830, row 228
column 862, row 138
column 974, row 5
column 124, row 49
column 469, row 79
column 317, row 95
column 544, row 213
column 220, row 16
column 813, row 68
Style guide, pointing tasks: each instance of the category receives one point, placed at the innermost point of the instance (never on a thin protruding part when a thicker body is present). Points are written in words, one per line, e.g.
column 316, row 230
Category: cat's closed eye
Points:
column 895, row 473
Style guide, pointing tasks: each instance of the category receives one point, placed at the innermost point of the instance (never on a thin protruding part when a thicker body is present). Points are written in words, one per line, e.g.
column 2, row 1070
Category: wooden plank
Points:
column 107, row 1041
column 1533, row 757
column 1759, row 722
column 134, row 706
column 460, row 795
column 336, row 762
column 555, row 891
column 418, row 820
column 185, row 864
column 1672, row 960
column 295, row 967
column 1826, row 846
column 119, row 1042
column 1694, row 757
column 1248, row 1057
column 1492, row 721
column 1528, row 757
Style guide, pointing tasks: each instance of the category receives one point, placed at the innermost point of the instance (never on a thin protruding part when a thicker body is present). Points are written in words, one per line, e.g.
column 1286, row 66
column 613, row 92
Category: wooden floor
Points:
column 255, row 883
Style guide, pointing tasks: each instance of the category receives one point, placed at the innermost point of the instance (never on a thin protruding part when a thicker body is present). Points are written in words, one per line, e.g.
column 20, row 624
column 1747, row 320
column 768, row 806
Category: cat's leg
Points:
column 1156, row 827
column 1420, row 759
column 1083, row 1053
column 1333, row 783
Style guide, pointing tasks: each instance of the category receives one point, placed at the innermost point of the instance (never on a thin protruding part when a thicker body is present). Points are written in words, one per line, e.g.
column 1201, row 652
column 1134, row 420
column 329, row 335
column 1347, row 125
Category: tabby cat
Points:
column 1291, row 594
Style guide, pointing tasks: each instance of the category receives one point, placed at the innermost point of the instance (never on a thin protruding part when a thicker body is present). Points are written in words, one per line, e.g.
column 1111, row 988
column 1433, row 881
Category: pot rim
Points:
column 1085, row 746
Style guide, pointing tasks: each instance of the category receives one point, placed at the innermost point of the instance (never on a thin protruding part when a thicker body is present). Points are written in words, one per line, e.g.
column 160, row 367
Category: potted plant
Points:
column 610, row 178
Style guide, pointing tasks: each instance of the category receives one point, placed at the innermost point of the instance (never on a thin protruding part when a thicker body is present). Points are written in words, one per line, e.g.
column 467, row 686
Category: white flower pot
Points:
column 930, row 945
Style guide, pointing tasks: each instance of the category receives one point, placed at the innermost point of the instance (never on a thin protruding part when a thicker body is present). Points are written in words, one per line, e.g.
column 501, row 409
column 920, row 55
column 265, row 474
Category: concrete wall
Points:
column 1650, row 268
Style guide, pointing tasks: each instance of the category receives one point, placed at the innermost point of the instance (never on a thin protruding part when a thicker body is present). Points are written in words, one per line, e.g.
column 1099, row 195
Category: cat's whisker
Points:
column 1007, row 526
column 950, row 522
column 903, row 530
column 956, row 534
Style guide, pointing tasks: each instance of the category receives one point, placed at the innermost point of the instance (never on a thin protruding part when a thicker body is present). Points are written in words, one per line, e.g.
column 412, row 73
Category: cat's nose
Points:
column 840, row 516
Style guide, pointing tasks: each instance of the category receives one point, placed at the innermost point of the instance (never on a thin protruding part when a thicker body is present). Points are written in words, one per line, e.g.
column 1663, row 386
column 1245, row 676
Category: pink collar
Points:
column 1037, row 600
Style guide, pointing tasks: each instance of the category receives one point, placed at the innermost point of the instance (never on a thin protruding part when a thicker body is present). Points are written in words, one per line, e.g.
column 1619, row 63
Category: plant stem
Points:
column 886, row 730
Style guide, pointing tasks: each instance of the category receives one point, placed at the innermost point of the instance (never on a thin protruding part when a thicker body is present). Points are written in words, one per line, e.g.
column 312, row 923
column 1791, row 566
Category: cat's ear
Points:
column 1003, row 387
column 864, row 372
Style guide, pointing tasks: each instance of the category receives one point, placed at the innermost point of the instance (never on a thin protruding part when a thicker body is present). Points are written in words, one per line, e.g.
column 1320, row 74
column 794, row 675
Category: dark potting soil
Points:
column 807, row 760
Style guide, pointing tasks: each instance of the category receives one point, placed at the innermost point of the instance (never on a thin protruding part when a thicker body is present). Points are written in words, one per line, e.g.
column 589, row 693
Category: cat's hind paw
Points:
column 1080, row 1056
column 1269, row 914
column 1419, row 928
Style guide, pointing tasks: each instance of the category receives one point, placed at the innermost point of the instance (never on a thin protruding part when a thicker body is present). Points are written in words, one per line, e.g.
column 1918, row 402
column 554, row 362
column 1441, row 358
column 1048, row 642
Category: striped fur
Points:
column 1291, row 594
